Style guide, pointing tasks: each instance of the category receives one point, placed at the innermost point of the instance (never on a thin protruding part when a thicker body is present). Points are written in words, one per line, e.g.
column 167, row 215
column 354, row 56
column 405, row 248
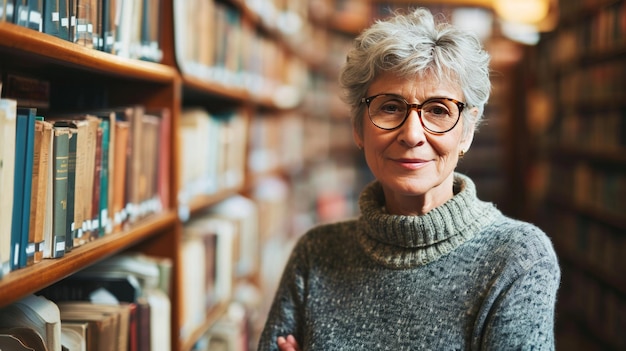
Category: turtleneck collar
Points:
column 399, row 241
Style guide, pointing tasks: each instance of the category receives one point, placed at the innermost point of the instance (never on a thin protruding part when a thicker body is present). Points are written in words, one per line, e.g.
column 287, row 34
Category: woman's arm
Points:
column 522, row 317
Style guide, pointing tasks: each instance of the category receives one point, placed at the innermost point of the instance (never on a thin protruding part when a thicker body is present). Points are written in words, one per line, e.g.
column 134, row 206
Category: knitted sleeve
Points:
column 522, row 317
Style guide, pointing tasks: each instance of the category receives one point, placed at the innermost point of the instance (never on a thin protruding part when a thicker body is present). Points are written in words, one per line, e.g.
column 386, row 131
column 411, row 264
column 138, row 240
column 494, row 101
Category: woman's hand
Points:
column 287, row 344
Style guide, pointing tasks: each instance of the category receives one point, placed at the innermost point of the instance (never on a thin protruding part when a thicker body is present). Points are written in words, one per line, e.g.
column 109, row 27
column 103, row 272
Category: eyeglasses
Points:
column 437, row 115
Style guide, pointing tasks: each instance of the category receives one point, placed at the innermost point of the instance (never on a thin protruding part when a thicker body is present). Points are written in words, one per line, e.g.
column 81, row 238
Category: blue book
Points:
column 24, row 151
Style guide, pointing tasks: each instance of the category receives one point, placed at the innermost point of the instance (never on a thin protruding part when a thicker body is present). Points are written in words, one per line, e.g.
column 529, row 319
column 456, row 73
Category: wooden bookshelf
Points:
column 271, row 73
column 581, row 67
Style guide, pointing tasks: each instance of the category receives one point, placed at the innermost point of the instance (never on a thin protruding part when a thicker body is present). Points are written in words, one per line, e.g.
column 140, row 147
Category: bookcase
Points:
column 232, row 58
column 577, row 170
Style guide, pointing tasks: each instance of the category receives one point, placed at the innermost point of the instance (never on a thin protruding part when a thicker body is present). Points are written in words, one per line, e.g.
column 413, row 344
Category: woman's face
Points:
column 414, row 166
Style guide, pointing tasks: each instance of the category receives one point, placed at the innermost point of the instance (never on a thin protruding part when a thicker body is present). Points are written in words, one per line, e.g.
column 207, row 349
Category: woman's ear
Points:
column 357, row 139
column 468, row 131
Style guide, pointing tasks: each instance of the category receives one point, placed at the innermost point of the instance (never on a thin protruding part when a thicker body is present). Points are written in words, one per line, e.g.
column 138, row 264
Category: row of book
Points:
column 599, row 246
column 215, row 43
column 118, row 304
column 601, row 85
column 597, row 130
column 213, row 151
column 218, row 247
column 603, row 33
column 128, row 28
column 589, row 186
column 601, row 309
column 70, row 179
column 275, row 142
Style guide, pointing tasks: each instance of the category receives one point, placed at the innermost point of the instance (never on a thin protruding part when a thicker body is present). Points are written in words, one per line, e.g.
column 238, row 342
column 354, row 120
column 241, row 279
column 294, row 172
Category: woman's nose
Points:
column 412, row 132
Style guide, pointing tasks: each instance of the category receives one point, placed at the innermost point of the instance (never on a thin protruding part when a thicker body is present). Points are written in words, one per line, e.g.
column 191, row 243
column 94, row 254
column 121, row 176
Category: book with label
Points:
column 70, row 230
column 60, row 156
column 8, row 110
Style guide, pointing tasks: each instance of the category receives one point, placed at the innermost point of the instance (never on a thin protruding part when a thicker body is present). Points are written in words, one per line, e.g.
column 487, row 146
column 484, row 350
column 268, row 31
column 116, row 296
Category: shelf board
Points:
column 52, row 51
column 211, row 318
column 198, row 86
column 203, row 202
column 30, row 279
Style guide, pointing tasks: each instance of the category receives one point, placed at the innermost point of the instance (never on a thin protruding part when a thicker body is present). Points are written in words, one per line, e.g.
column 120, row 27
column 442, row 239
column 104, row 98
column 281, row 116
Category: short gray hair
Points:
column 412, row 44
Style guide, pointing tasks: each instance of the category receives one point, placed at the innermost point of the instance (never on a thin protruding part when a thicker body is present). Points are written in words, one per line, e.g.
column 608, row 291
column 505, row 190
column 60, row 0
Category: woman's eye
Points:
column 437, row 110
column 391, row 108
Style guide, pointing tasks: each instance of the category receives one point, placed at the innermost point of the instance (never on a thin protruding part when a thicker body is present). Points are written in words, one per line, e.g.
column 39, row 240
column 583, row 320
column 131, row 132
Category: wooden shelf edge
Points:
column 22, row 40
column 222, row 90
column 202, row 202
column 22, row 282
column 212, row 316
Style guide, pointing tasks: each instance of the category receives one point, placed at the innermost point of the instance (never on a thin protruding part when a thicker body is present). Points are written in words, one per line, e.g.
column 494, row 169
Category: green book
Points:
column 104, row 178
column 71, row 228
column 60, row 173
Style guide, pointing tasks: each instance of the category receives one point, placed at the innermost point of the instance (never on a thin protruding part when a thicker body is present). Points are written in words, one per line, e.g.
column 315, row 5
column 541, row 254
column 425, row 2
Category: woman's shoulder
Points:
column 520, row 239
column 323, row 235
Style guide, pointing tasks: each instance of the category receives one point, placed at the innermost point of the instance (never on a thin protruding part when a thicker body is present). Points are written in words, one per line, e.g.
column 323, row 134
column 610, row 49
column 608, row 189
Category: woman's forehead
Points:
column 415, row 86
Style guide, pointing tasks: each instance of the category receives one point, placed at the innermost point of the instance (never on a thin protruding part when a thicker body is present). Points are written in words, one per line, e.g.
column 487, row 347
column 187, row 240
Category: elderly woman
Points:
column 427, row 265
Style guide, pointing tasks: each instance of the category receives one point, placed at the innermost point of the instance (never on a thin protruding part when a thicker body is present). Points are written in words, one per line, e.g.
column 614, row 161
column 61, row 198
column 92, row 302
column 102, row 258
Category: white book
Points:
column 8, row 112
column 37, row 313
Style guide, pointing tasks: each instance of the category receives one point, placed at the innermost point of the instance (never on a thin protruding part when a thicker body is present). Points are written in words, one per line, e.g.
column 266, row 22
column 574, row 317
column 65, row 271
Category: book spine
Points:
column 71, row 229
column 8, row 111
column 28, row 173
column 45, row 175
column 95, row 200
column 104, row 179
column 21, row 188
column 60, row 184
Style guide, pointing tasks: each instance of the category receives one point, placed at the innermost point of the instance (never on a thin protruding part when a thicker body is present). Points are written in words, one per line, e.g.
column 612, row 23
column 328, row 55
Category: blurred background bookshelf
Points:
column 255, row 146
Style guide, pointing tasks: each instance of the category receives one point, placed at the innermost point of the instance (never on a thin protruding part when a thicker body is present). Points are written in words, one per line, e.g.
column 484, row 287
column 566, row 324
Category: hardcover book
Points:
column 37, row 313
column 24, row 147
column 43, row 135
column 60, row 175
column 8, row 111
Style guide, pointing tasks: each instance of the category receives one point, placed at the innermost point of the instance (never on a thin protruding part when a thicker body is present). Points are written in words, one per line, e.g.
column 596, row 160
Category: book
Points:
column 101, row 330
column 163, row 158
column 73, row 340
column 120, row 312
column 51, row 20
column 8, row 111
column 27, row 91
column 37, row 313
column 97, row 183
column 103, row 200
column 80, row 328
column 43, row 135
column 243, row 212
column 21, row 339
column 24, row 145
column 60, row 176
column 71, row 231
column 118, row 198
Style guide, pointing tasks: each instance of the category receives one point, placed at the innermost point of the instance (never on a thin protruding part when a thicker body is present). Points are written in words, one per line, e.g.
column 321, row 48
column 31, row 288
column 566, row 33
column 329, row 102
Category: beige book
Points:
column 8, row 115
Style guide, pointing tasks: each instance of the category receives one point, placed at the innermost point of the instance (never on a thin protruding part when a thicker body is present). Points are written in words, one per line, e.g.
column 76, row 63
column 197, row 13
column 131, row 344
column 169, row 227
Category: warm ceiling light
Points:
column 522, row 11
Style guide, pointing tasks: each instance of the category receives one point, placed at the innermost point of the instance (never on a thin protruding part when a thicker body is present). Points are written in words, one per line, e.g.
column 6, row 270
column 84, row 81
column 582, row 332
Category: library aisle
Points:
column 160, row 158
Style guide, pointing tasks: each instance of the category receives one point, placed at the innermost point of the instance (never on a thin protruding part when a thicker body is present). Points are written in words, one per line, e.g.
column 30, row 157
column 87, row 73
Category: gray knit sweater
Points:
column 461, row 277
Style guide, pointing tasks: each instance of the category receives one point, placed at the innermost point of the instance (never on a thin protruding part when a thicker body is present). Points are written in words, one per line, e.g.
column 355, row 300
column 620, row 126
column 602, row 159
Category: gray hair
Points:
column 413, row 45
